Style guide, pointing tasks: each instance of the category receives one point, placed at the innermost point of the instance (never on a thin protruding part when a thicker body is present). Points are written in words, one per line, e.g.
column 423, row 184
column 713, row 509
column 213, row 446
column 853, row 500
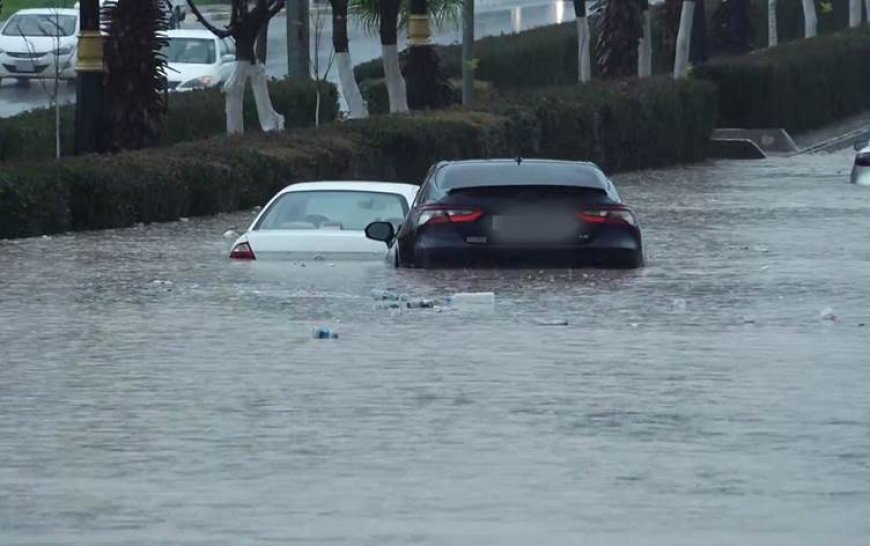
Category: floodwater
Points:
column 152, row 392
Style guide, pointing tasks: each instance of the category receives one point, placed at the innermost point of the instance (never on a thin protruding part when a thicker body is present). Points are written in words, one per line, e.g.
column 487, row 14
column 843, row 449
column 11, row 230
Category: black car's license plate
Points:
column 533, row 228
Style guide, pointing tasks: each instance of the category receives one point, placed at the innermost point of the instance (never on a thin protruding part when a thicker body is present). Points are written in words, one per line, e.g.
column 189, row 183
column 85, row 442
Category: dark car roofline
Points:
column 600, row 178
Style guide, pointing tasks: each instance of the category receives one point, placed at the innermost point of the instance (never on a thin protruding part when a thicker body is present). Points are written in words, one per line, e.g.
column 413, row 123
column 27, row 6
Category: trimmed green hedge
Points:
column 621, row 126
column 193, row 115
column 799, row 86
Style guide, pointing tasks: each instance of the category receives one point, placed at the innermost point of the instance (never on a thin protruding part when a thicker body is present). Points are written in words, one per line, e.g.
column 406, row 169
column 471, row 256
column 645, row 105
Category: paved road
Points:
column 152, row 392
column 517, row 15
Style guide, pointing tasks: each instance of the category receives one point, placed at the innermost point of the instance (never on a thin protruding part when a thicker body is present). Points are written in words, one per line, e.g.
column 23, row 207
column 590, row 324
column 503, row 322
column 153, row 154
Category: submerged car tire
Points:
column 625, row 260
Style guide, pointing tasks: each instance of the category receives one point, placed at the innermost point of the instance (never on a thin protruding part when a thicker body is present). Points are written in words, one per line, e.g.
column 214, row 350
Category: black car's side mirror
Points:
column 860, row 145
column 381, row 231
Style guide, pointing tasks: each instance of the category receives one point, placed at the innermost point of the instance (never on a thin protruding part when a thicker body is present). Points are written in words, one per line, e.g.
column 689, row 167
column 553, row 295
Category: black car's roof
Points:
column 526, row 172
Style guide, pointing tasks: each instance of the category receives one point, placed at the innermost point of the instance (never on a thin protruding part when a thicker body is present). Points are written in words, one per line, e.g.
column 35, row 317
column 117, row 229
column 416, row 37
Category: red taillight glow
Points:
column 242, row 251
column 620, row 216
column 448, row 215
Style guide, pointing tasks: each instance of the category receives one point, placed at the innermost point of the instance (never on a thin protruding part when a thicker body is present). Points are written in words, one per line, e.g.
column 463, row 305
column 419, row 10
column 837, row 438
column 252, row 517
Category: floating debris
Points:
column 828, row 314
column 324, row 333
column 551, row 322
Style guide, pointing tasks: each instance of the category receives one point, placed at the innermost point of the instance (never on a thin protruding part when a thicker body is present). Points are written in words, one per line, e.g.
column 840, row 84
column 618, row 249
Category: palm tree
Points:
column 772, row 34
column 684, row 38
column 387, row 16
column 349, row 88
column 135, row 72
column 644, row 49
column 810, row 19
column 244, row 28
column 616, row 51
column 854, row 13
column 584, row 57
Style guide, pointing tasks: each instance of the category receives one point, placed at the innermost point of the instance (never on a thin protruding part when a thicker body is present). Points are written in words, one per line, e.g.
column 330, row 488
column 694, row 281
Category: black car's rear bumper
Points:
column 613, row 248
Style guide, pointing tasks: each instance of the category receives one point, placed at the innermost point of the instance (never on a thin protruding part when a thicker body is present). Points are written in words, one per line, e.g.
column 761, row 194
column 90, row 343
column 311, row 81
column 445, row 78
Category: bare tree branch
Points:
column 225, row 33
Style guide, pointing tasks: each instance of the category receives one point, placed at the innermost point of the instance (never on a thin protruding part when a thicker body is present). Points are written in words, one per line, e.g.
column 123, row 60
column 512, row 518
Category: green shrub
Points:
column 191, row 116
column 798, row 86
column 375, row 94
column 621, row 126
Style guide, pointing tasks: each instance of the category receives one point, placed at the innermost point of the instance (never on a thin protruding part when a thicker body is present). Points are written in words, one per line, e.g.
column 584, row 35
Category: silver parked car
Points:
column 861, row 169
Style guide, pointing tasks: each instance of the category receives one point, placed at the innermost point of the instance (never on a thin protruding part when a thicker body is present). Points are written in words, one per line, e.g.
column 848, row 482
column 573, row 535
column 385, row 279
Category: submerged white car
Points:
column 197, row 59
column 861, row 169
column 316, row 218
column 39, row 43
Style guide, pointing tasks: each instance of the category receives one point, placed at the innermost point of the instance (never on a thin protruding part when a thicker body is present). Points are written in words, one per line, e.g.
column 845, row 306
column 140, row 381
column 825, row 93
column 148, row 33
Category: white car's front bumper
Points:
column 27, row 66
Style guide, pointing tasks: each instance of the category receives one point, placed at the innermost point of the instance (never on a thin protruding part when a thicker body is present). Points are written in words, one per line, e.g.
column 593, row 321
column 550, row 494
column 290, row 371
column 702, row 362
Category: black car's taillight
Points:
column 442, row 215
column 618, row 216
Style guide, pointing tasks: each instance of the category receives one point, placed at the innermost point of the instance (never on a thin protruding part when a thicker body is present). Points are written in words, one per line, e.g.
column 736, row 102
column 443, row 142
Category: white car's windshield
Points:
column 343, row 210
column 190, row 51
column 42, row 24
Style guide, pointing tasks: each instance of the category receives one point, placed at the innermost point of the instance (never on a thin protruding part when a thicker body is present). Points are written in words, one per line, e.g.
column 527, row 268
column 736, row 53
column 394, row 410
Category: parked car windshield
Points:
column 345, row 210
column 190, row 51
column 42, row 24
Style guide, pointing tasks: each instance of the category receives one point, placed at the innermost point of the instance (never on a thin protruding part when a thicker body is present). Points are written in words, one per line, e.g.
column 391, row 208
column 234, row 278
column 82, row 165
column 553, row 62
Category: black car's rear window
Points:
column 527, row 173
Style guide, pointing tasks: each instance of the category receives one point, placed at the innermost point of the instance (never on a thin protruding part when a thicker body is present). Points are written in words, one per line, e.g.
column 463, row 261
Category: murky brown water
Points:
column 151, row 392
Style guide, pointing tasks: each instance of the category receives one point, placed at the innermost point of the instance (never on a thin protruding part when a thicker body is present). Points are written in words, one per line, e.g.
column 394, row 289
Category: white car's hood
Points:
column 184, row 72
column 34, row 44
column 319, row 241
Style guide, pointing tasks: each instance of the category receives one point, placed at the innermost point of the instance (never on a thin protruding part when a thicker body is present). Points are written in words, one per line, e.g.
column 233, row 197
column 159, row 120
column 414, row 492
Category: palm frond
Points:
column 440, row 12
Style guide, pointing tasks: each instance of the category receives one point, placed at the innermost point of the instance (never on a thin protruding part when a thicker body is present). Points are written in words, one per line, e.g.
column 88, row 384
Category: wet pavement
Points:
column 153, row 392
column 494, row 17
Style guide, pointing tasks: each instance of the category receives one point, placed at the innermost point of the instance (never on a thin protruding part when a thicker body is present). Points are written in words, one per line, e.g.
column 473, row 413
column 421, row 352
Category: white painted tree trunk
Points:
column 356, row 107
column 270, row 120
column 644, row 48
column 772, row 33
column 584, row 59
column 867, row 9
column 854, row 13
column 684, row 39
column 395, row 81
column 810, row 19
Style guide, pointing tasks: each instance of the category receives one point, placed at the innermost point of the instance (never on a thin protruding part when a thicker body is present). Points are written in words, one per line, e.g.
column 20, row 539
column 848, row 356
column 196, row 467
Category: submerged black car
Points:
column 515, row 212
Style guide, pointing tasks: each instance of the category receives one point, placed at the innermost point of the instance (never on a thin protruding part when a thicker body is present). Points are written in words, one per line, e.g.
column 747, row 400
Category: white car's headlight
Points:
column 65, row 50
column 198, row 83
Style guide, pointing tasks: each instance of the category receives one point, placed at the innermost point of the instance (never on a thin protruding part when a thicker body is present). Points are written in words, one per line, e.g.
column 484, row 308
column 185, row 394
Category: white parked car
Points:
column 324, row 218
column 197, row 59
column 861, row 169
column 39, row 43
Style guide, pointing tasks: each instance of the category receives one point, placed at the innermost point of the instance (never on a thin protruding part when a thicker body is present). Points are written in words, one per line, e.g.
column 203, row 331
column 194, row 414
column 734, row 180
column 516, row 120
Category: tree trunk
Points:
column 356, row 106
column 772, row 34
column 262, row 43
column 298, row 40
column 584, row 55
column 644, row 48
column 854, row 13
column 681, row 60
column 234, row 90
column 810, row 19
column 468, row 51
column 389, row 22
column 270, row 120
column 867, row 9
